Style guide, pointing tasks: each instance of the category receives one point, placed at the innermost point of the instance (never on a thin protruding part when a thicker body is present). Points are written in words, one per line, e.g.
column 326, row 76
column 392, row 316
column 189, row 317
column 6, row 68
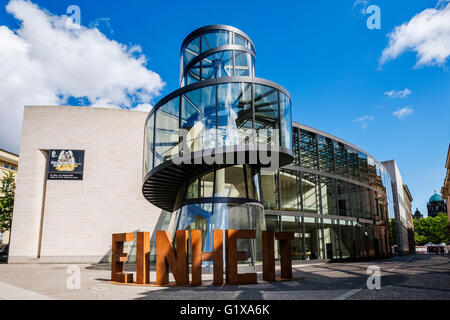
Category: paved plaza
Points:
column 420, row 277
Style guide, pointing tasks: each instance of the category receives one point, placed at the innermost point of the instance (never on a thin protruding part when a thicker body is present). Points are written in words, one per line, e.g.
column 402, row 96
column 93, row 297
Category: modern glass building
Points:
column 206, row 148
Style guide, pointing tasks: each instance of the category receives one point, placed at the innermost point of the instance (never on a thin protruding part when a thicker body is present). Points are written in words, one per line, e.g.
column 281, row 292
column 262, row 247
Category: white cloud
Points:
column 403, row 112
column 427, row 33
column 364, row 121
column 46, row 61
column 398, row 94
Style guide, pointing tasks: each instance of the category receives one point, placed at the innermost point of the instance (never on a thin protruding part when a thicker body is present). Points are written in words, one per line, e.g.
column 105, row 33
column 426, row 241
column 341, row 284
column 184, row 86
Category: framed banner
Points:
column 65, row 165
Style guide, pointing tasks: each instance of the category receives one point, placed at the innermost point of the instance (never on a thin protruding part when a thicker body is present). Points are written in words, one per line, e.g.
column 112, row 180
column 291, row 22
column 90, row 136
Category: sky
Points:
column 385, row 90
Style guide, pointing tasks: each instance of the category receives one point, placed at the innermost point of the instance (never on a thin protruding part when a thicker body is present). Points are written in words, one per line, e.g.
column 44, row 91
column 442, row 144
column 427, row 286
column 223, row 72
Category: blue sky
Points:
column 322, row 52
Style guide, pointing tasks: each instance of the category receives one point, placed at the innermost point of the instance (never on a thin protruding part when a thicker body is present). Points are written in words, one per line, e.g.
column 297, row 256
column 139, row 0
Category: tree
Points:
column 8, row 191
column 431, row 229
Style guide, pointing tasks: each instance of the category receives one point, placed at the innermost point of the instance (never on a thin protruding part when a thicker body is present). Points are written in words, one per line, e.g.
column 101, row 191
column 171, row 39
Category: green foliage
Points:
column 431, row 229
column 7, row 193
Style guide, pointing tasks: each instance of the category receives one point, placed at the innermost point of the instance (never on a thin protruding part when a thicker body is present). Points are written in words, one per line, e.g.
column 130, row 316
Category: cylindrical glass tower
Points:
column 206, row 142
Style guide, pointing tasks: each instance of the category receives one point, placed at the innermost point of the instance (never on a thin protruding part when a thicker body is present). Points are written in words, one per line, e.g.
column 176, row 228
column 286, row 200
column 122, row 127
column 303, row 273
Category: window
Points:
column 230, row 182
column 215, row 39
column 340, row 153
column 266, row 115
column 363, row 167
column 329, row 196
column 310, row 193
column 353, row 163
column 326, row 154
column 166, row 133
column 289, row 185
column 308, row 150
column 191, row 51
column 269, row 185
column 243, row 64
column 235, row 118
column 218, row 65
column 286, row 121
column 198, row 118
column 343, row 191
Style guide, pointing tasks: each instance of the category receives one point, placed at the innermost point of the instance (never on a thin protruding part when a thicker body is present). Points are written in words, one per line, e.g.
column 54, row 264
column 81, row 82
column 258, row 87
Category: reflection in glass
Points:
column 235, row 118
column 293, row 224
column 312, row 236
column 148, row 142
column 310, row 194
column 329, row 196
column 286, row 121
column 331, row 238
column 326, row 154
column 363, row 167
column 266, row 115
column 218, row 65
column 269, row 186
column 191, row 51
column 166, row 133
column 353, row 165
column 198, row 118
column 230, row 182
column 308, row 150
column 340, row 153
column 344, row 207
column 243, row 64
column 347, row 242
column 290, row 193
column 215, row 39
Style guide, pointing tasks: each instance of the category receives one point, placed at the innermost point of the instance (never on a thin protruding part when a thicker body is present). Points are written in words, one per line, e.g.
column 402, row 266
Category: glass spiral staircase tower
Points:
column 205, row 143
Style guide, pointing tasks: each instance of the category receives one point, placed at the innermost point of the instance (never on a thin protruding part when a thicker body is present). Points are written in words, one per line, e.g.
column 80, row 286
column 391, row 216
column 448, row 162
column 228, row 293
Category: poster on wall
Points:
column 65, row 165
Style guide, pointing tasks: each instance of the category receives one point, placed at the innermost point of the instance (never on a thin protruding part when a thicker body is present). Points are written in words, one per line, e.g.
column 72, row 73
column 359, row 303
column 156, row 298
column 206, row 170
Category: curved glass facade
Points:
column 219, row 115
column 339, row 199
column 333, row 196
column 214, row 53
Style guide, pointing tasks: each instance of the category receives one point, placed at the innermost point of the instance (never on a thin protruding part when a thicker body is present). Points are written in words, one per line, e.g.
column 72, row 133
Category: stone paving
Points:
column 419, row 277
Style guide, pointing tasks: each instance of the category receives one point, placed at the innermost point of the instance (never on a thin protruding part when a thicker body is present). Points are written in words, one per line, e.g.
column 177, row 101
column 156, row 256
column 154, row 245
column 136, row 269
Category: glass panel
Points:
column 207, row 185
column 217, row 65
column 191, row 51
column 266, row 115
column 273, row 224
column 312, row 238
column 242, row 64
column 148, row 150
column 215, row 39
column 193, row 190
column 241, row 41
column 367, row 203
column 329, row 197
column 357, row 211
column 310, row 194
column 326, row 154
column 343, row 189
column 296, row 146
column 193, row 75
column 286, row 121
column 198, row 119
column 252, row 182
column 331, row 236
column 372, row 170
column 340, row 153
column 353, row 163
column 363, row 167
column 347, row 242
column 269, row 186
column 293, row 224
column 166, row 133
column 308, row 150
column 235, row 119
column 230, row 182
column 289, row 183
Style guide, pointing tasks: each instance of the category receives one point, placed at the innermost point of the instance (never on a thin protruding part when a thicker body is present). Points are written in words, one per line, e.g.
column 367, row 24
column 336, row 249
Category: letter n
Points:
column 167, row 257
